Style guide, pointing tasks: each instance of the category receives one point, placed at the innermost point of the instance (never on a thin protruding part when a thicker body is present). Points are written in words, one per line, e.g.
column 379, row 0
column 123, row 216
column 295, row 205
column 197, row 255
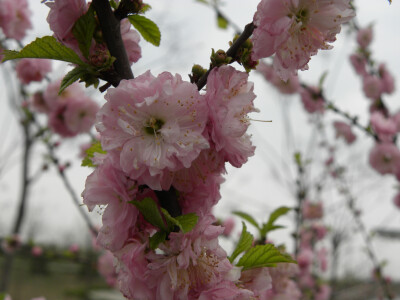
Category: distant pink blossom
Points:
column 312, row 100
column 323, row 293
column 15, row 18
column 229, row 224
column 359, row 63
column 152, row 126
column 230, row 98
column 74, row 248
column 131, row 39
column 384, row 127
column 31, row 69
column 372, row 87
column 305, row 258
column 311, row 210
column 258, row 280
column 364, row 37
column 290, row 86
column 322, row 255
column 387, row 80
column 38, row 104
column 385, row 158
column 296, row 30
column 396, row 200
column 344, row 130
column 37, row 251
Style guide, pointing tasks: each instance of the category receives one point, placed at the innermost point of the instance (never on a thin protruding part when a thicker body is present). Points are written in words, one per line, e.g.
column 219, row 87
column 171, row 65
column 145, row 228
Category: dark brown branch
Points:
column 247, row 32
column 110, row 26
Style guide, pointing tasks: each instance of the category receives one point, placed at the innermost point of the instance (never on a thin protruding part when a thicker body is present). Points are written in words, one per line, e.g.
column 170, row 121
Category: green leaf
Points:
column 150, row 211
column 248, row 218
column 96, row 147
column 244, row 244
column 185, row 222
column 147, row 28
column 322, row 79
column 2, row 296
column 188, row 221
column 145, row 8
column 45, row 47
column 71, row 77
column 83, row 31
column 269, row 226
column 297, row 159
column 263, row 256
column 113, row 4
column 222, row 22
column 156, row 239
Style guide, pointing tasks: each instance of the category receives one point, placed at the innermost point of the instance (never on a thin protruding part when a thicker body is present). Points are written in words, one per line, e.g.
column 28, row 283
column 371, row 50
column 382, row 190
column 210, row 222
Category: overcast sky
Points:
column 188, row 33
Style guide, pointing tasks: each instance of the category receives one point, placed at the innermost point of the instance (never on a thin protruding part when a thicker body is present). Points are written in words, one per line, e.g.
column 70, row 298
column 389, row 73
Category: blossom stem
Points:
column 110, row 26
column 247, row 32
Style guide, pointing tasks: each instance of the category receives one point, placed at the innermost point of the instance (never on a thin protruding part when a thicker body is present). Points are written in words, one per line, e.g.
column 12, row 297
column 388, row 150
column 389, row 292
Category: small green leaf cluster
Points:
column 219, row 58
column 258, row 256
column 160, row 218
column 243, row 54
column 96, row 147
column 265, row 228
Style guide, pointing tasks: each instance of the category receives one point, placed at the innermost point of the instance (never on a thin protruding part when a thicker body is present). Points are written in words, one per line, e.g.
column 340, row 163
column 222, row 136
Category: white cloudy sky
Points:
column 188, row 33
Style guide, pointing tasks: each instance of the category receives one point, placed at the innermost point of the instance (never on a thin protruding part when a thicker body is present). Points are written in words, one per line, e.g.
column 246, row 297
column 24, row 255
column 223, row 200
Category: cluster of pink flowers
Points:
column 296, row 30
column 344, row 130
column 160, row 133
column 32, row 70
column 70, row 113
column 14, row 18
column 62, row 18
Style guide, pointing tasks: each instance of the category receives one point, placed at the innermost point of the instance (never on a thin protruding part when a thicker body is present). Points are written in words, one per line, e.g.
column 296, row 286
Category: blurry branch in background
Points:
column 344, row 189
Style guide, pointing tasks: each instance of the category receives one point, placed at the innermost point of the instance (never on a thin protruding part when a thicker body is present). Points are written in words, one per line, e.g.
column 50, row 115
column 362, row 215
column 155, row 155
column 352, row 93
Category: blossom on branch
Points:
column 15, row 18
column 294, row 30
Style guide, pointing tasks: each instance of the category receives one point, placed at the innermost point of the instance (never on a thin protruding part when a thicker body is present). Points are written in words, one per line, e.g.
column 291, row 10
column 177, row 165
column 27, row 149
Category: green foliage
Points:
column 113, row 4
column 203, row 1
column 297, row 159
column 2, row 296
column 247, row 217
column 83, row 31
column 145, row 8
column 222, row 22
column 149, row 209
column 263, row 256
column 322, row 79
column 96, row 147
column 160, row 218
column 244, row 244
column 83, row 73
column 147, row 28
column 156, row 239
column 269, row 226
column 46, row 47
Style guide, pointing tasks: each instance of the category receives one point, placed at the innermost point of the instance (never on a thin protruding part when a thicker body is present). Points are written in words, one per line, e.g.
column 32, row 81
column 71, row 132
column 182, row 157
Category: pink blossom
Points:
column 190, row 264
column 372, row 87
column 109, row 186
column 258, row 280
column 344, row 130
column 15, row 18
column 133, row 280
column 387, row 80
column 74, row 248
column 359, row 63
column 364, row 37
column 230, row 98
column 384, row 127
column 53, row 98
column 105, row 266
column 396, row 200
column 37, row 251
column 31, row 69
column 396, row 120
column 152, row 126
column 225, row 290
column 229, row 224
column 324, row 292
column 290, row 86
column 385, row 158
column 296, row 30
column 62, row 17
column 305, row 258
column 131, row 39
column 312, row 100
column 38, row 104
column 311, row 210
column 322, row 258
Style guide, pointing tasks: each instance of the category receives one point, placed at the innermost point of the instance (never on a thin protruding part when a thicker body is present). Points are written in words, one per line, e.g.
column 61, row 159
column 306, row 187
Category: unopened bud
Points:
column 219, row 58
column 197, row 72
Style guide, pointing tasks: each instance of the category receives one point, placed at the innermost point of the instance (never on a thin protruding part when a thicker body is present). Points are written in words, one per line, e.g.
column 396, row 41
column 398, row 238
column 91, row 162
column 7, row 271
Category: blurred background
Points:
column 66, row 268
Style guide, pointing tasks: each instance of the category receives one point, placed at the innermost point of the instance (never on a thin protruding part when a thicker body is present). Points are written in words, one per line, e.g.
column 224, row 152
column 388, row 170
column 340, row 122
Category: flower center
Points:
column 153, row 126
